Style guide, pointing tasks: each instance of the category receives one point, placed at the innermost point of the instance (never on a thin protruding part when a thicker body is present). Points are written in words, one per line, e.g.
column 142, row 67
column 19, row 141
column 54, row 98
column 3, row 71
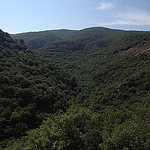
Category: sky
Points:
column 18, row 16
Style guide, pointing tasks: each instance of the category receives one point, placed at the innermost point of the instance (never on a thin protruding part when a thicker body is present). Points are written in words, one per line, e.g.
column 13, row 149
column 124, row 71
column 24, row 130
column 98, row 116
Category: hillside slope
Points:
column 120, row 72
column 30, row 87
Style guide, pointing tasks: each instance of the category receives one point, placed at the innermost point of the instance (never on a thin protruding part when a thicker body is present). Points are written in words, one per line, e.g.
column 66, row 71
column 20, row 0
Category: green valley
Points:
column 75, row 90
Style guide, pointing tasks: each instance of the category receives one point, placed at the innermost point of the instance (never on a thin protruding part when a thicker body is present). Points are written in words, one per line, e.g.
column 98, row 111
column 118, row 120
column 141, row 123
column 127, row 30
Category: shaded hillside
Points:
column 30, row 87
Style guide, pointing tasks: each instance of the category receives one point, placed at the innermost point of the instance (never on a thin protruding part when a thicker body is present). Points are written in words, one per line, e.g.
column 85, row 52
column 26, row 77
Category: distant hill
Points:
column 35, row 40
column 30, row 87
column 82, row 43
column 75, row 46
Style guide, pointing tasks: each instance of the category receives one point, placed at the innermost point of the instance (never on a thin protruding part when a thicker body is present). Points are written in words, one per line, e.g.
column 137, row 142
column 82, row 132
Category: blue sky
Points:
column 34, row 15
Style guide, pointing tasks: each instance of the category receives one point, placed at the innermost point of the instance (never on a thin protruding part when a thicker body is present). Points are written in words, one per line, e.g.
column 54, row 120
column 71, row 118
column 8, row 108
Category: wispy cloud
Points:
column 105, row 6
column 134, row 17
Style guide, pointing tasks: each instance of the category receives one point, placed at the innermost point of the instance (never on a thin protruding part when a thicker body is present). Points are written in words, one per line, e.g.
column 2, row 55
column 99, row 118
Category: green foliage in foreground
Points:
column 82, row 129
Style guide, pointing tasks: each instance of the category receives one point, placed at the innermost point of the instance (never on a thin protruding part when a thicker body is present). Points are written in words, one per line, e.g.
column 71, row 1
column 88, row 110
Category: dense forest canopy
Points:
column 99, row 99
column 30, row 87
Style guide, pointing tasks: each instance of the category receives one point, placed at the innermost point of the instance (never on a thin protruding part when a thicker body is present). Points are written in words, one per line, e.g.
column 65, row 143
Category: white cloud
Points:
column 105, row 6
column 134, row 17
